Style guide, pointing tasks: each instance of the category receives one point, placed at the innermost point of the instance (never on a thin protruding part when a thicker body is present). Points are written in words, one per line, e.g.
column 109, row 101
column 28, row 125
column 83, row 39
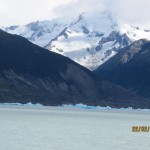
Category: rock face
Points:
column 89, row 39
column 130, row 68
column 29, row 73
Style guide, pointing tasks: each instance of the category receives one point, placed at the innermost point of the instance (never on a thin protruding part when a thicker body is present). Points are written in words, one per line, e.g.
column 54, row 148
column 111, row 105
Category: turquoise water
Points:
column 52, row 128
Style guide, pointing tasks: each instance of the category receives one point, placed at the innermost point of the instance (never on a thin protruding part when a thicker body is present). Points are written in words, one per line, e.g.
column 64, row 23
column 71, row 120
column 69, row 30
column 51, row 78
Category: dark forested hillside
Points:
column 130, row 68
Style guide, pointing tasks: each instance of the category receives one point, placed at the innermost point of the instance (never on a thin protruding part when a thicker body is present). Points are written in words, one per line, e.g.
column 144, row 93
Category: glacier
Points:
column 89, row 39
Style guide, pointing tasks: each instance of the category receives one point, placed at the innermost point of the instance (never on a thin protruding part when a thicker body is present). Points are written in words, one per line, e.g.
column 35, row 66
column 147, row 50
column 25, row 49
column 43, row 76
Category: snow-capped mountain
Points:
column 90, row 39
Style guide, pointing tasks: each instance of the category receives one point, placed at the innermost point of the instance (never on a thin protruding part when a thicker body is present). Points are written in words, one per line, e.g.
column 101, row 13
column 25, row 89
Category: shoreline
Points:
column 77, row 107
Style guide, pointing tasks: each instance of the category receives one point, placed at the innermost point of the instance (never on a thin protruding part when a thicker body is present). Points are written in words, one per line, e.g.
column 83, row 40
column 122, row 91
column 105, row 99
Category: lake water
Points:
column 54, row 128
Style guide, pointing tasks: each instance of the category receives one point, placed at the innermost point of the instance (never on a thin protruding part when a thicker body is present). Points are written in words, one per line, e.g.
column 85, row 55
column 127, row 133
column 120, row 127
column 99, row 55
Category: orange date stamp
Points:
column 140, row 128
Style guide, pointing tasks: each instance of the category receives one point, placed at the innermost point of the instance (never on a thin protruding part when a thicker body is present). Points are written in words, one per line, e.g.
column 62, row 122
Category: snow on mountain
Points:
column 90, row 39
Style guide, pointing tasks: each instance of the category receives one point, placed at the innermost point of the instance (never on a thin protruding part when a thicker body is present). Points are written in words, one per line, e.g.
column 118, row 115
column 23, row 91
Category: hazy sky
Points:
column 23, row 11
column 14, row 12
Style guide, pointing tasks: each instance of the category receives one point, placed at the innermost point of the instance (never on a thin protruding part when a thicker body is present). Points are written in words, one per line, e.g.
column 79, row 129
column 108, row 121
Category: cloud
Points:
column 80, row 6
column 134, row 12
column 24, row 11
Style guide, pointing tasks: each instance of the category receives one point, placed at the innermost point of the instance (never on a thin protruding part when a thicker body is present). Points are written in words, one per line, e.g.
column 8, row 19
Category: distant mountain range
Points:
column 117, row 53
column 89, row 39
column 29, row 73
column 130, row 68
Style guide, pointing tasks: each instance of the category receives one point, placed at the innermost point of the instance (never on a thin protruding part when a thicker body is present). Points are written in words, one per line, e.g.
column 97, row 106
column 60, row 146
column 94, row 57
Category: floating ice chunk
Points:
column 82, row 106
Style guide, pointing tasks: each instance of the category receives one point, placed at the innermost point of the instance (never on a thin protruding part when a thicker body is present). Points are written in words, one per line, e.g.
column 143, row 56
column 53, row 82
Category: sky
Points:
column 16, row 12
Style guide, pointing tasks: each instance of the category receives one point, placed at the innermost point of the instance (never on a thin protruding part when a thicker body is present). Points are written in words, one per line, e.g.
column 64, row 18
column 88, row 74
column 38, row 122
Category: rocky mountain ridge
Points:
column 130, row 68
column 89, row 39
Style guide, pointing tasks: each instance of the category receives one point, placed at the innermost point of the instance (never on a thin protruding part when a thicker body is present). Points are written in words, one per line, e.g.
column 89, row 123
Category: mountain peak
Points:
column 89, row 39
